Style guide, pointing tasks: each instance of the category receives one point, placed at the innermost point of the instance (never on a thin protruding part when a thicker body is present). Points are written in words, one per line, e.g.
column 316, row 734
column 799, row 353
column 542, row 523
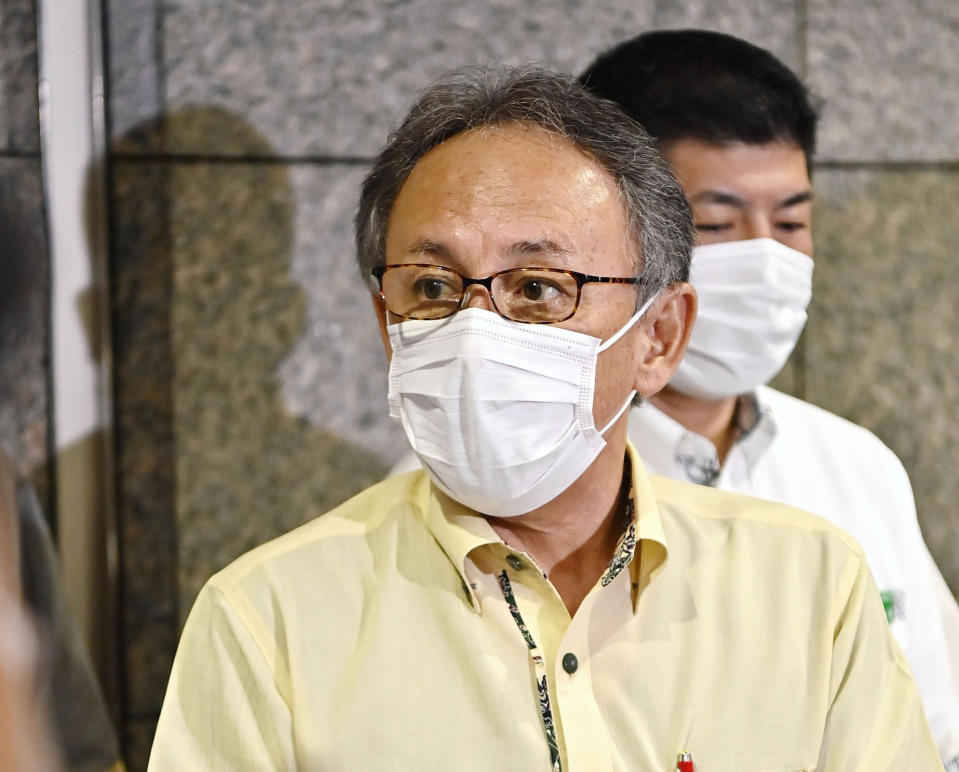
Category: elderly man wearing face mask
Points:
column 738, row 129
column 533, row 599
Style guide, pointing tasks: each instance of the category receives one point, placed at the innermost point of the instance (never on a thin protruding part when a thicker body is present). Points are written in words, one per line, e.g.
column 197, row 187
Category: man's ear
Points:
column 379, row 308
column 667, row 325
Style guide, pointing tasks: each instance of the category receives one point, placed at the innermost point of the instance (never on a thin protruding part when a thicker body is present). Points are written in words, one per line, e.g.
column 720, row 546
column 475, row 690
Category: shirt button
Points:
column 570, row 663
column 515, row 563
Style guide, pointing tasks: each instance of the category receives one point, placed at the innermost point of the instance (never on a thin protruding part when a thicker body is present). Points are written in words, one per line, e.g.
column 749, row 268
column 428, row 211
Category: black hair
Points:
column 696, row 84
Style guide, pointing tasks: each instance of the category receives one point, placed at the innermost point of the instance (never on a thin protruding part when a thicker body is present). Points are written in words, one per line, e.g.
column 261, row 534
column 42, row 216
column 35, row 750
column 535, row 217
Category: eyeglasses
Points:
column 530, row 295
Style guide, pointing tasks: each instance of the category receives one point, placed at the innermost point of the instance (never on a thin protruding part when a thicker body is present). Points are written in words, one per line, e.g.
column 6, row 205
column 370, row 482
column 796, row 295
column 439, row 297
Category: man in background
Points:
column 739, row 131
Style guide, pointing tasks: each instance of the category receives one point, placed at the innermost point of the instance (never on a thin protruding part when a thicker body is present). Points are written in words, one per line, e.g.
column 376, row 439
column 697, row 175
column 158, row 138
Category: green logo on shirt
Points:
column 893, row 601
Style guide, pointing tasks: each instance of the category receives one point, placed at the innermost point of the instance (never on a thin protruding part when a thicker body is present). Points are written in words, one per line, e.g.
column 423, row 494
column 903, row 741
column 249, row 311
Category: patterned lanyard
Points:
column 539, row 668
column 622, row 558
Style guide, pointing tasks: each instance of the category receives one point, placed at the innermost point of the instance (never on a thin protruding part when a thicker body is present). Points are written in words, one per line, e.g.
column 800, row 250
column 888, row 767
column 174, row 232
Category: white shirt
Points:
column 801, row 455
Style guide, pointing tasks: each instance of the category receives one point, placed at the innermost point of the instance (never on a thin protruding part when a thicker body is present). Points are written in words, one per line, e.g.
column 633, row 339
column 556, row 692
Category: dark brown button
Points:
column 570, row 663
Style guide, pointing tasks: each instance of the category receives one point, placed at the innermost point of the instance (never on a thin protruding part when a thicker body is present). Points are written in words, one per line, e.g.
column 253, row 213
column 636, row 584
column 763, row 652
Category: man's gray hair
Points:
column 660, row 224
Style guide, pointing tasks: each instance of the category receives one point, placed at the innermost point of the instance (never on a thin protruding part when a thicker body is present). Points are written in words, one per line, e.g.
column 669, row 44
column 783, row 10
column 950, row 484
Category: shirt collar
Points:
column 757, row 427
column 460, row 530
column 671, row 450
column 650, row 536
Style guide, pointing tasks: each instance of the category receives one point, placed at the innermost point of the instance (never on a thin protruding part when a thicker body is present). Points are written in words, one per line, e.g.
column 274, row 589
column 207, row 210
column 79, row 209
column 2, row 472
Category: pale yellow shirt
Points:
column 377, row 638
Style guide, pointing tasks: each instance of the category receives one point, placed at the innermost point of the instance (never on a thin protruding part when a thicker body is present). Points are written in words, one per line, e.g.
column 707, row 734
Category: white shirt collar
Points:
column 669, row 449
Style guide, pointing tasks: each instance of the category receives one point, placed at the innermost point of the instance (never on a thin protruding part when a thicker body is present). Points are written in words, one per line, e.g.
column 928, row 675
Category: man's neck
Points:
column 714, row 419
column 574, row 536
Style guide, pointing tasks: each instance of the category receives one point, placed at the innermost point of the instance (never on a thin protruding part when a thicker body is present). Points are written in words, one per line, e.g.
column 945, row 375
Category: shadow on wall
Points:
column 209, row 462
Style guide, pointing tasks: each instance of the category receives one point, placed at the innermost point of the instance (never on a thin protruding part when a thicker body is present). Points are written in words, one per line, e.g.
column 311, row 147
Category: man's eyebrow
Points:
column 717, row 197
column 538, row 247
column 797, row 198
column 430, row 249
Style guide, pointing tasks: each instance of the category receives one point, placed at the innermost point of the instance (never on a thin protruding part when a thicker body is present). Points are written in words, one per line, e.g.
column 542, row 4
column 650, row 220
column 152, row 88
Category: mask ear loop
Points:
column 615, row 418
column 626, row 327
column 606, row 344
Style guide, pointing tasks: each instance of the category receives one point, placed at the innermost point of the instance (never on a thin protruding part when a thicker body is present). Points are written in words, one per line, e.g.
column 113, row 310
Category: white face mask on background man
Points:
column 500, row 413
column 752, row 308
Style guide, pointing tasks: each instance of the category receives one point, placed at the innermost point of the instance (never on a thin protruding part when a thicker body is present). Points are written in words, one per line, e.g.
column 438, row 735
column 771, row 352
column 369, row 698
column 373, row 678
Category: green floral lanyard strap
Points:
column 539, row 668
column 622, row 558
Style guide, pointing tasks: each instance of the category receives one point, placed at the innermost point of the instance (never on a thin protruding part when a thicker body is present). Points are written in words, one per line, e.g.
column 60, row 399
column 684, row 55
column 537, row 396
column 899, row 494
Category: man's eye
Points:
column 790, row 227
column 537, row 289
column 431, row 288
column 709, row 227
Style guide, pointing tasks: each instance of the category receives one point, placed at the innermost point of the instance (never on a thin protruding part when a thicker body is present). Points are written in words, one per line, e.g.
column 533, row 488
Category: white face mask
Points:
column 499, row 413
column 752, row 308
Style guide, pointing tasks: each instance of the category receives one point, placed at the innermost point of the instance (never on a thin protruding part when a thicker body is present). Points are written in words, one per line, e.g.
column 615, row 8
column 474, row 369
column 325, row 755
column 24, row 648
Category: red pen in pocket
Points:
column 685, row 762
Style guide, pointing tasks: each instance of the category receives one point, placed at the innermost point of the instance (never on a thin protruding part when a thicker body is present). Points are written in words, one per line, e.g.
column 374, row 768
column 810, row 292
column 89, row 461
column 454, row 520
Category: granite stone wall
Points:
column 250, row 379
column 24, row 266
column 880, row 347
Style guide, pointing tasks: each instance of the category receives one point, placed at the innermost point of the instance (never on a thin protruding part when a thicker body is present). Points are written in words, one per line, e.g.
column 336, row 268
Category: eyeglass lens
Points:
column 523, row 294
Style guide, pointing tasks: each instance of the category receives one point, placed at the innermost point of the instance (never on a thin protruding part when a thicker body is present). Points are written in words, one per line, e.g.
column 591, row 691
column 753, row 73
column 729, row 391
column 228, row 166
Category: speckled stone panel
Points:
column 770, row 24
column 24, row 321
column 329, row 77
column 881, row 340
column 247, row 467
column 213, row 249
column 888, row 71
column 141, row 257
column 336, row 375
column 134, row 64
column 19, row 121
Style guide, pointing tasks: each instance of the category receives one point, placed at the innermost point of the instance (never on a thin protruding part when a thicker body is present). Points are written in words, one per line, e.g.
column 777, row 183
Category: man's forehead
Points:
column 511, row 146
column 520, row 193
column 505, row 167
column 775, row 169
